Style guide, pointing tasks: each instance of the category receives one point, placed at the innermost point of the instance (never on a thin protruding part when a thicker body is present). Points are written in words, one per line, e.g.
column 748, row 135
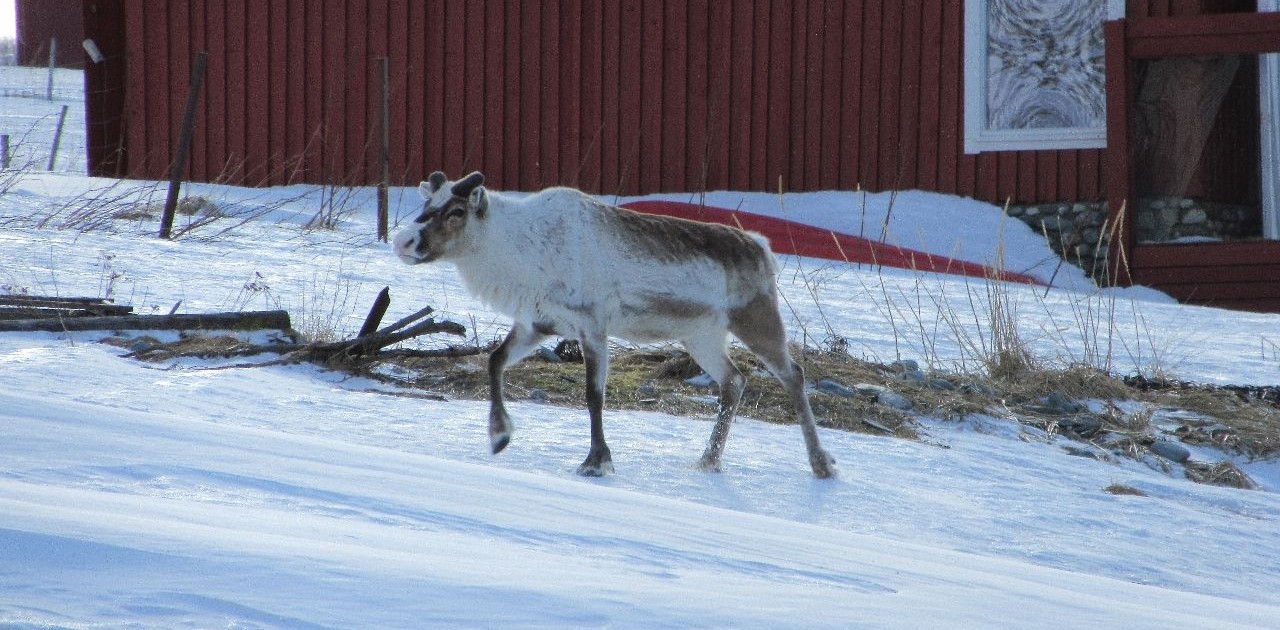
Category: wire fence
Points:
column 42, row 118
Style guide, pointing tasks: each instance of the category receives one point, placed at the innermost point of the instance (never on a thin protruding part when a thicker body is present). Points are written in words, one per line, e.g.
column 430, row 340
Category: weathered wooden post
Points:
column 4, row 151
column 53, row 63
column 384, row 150
column 184, row 145
column 57, row 138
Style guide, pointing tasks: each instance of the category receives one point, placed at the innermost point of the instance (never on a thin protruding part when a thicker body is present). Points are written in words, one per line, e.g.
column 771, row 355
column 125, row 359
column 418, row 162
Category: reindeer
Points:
column 561, row 263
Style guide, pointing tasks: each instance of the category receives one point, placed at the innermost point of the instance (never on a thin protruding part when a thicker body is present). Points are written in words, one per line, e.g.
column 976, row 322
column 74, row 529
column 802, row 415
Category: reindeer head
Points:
column 448, row 212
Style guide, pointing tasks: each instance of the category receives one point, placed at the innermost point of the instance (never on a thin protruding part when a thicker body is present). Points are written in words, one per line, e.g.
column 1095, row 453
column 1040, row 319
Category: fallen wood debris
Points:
column 245, row 320
column 370, row 344
column 39, row 313
column 44, row 307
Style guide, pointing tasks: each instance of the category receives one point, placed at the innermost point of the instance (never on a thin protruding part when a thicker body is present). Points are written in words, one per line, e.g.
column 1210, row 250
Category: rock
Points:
column 905, row 365
column 835, row 388
column 539, row 395
column 648, row 390
column 1084, row 425
column 893, row 400
column 981, row 389
column 548, row 354
column 703, row 380
column 907, row 369
column 942, row 384
column 1195, row 216
column 1058, row 402
column 1171, row 451
column 884, row 396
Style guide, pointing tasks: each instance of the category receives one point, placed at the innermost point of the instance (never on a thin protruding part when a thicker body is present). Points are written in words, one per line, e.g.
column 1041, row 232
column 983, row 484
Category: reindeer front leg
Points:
column 595, row 353
column 517, row 345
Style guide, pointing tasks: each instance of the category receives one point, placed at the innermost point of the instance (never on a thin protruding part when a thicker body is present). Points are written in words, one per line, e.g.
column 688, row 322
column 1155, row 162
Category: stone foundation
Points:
column 1174, row 219
column 1076, row 231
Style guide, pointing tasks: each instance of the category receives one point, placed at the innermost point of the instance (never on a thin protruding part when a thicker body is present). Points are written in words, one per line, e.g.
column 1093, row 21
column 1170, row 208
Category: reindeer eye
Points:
column 456, row 212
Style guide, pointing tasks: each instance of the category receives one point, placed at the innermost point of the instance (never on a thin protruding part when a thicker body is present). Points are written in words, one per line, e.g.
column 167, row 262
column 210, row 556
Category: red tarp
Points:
column 789, row 237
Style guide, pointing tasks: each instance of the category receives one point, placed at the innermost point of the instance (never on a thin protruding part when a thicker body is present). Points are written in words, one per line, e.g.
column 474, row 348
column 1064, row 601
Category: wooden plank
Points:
column 590, row 120
column 452, row 90
column 762, row 85
column 1252, row 253
column 699, row 99
column 548, row 155
column 471, row 83
column 673, row 126
column 569, row 94
column 908, row 145
column 889, row 153
column 831, row 81
column 777, row 147
column 1260, row 274
column 1006, row 177
column 292, row 103
column 529, row 121
column 435, row 92
column 720, row 101
column 237, row 103
column 851, row 95
column 648, row 168
column 179, row 62
column 279, row 92
column 612, row 48
column 164, row 109
column 742, row 95
column 1028, row 173
column 261, row 85
column 930, row 143
column 313, row 60
column 1118, row 184
column 1223, row 33
column 216, row 106
column 871, row 120
column 400, row 57
column 801, row 79
column 245, row 320
column 496, row 92
column 512, row 71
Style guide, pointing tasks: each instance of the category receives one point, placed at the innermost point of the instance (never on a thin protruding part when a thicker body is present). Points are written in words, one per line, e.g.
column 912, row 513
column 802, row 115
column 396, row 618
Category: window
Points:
column 1034, row 74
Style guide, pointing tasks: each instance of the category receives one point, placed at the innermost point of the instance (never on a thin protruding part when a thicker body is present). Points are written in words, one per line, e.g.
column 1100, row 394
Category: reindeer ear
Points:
column 436, row 181
column 479, row 199
column 464, row 186
column 425, row 190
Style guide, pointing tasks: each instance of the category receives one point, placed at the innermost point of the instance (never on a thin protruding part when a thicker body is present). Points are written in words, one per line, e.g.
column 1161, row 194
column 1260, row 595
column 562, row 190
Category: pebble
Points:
column 1171, row 451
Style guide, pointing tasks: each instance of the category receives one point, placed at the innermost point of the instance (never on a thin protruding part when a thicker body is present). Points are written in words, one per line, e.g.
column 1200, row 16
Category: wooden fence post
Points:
column 184, row 145
column 384, row 150
column 4, row 151
column 57, row 138
column 53, row 63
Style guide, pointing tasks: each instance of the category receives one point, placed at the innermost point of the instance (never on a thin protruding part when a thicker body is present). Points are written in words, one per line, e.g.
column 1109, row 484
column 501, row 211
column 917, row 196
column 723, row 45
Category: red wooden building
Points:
column 40, row 22
column 638, row 96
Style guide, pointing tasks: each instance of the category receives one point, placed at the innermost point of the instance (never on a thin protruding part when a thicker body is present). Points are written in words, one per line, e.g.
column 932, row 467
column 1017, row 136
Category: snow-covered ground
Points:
column 180, row 496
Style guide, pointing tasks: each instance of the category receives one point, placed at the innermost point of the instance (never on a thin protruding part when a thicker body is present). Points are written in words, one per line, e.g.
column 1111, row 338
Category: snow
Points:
column 184, row 495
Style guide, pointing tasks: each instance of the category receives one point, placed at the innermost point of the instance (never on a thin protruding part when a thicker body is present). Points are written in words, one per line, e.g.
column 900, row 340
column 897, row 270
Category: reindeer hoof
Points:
column 499, row 441
column 823, row 464
column 595, row 470
column 598, row 464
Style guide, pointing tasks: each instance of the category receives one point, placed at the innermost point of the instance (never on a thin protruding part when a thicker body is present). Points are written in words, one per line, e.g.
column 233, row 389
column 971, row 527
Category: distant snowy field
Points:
column 177, row 496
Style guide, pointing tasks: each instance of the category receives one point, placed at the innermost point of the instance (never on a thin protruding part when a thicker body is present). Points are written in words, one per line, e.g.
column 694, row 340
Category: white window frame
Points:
column 1269, row 108
column 978, row 137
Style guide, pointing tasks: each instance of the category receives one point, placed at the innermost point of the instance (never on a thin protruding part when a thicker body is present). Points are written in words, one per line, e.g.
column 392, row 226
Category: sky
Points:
column 8, row 20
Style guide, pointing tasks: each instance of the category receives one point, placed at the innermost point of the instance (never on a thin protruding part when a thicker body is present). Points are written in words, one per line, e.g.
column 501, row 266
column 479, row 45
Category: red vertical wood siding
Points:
column 621, row 97
column 42, row 20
